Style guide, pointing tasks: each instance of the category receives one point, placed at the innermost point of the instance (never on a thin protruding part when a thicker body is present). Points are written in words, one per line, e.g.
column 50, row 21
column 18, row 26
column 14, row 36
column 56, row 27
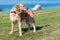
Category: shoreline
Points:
column 36, row 10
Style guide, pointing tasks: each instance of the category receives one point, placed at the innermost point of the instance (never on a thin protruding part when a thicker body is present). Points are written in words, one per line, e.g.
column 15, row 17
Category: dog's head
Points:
column 19, row 8
column 22, row 7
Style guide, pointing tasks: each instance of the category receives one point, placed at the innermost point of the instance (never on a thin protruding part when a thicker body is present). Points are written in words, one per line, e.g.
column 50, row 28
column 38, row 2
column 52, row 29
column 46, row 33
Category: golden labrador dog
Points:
column 20, row 13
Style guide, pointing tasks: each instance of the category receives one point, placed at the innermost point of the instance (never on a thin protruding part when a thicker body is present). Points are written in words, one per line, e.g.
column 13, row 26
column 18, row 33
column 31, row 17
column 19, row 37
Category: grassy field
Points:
column 47, row 25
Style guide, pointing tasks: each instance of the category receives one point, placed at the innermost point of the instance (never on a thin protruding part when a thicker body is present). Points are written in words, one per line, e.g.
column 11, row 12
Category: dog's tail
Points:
column 36, row 7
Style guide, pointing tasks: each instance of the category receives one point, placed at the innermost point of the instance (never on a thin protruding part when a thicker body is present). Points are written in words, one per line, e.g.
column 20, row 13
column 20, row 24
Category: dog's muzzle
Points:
column 13, row 12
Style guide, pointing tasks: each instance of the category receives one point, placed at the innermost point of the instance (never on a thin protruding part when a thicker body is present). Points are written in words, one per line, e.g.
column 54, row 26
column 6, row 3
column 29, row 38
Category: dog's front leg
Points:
column 20, row 28
column 12, row 29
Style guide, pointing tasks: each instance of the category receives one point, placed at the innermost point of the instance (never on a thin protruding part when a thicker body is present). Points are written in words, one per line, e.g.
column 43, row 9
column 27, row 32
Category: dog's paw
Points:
column 20, row 34
column 11, row 32
column 34, row 31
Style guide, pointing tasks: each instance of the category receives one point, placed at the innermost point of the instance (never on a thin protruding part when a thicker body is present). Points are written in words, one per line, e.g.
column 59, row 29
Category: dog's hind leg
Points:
column 34, row 28
column 33, row 24
column 28, row 24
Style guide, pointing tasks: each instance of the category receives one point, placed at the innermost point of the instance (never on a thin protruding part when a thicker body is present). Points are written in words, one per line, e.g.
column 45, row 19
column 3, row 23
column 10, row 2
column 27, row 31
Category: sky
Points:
column 27, row 1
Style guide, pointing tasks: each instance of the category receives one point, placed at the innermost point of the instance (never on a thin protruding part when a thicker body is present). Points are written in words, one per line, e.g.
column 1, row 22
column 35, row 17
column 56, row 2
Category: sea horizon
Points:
column 7, row 7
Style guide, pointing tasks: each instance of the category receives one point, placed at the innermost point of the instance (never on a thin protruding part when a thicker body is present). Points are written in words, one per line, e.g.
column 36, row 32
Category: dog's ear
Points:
column 17, row 7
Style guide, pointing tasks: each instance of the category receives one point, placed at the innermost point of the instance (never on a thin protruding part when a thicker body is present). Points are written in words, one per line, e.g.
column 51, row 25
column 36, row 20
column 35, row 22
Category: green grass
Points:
column 47, row 25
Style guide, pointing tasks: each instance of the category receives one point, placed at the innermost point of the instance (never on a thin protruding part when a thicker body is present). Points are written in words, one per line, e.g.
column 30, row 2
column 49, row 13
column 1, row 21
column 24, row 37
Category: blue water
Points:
column 50, row 5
